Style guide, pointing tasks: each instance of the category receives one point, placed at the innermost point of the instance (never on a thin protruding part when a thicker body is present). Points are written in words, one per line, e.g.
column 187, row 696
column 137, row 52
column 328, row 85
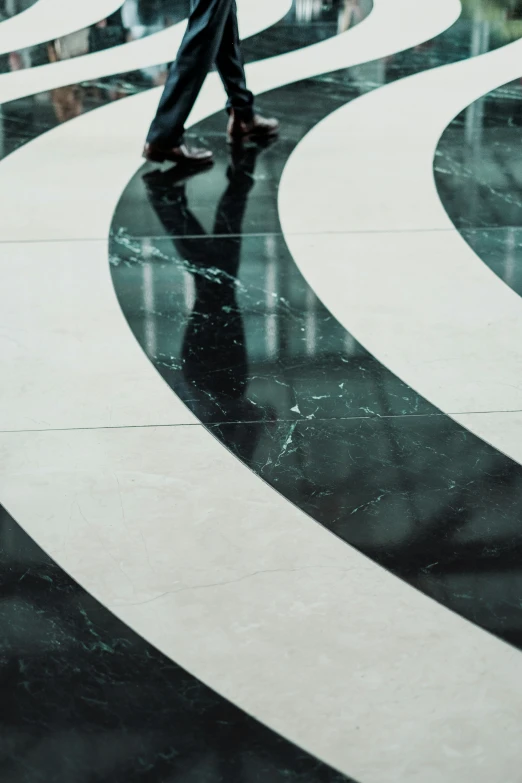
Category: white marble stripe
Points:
column 65, row 349
column 155, row 49
column 394, row 132
column 192, row 550
column 394, row 270
column 47, row 20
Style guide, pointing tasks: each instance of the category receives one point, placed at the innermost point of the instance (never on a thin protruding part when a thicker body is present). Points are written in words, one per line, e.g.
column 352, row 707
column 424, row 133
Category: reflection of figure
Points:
column 67, row 102
column 350, row 13
column 214, row 355
column 211, row 37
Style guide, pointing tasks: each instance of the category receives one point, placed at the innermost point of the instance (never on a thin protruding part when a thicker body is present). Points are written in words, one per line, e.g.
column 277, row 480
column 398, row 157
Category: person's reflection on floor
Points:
column 214, row 353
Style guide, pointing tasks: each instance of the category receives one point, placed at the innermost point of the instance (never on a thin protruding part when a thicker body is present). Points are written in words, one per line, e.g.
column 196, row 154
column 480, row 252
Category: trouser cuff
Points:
column 244, row 111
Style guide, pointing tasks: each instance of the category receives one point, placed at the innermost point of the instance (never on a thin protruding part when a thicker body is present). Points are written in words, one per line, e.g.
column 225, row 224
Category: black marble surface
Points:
column 227, row 318
column 211, row 292
column 85, row 700
column 479, row 179
column 477, row 162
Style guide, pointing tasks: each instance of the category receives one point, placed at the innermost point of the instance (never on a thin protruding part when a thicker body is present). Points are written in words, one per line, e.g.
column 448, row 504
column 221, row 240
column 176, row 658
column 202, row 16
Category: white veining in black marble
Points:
column 230, row 323
column 479, row 179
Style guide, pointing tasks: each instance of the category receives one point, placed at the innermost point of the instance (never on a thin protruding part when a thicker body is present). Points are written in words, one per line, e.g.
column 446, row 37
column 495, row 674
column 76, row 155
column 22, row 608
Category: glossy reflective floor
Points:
column 10, row 8
column 260, row 440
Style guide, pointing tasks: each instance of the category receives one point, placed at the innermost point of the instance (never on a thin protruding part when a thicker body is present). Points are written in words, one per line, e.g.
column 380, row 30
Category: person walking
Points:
column 212, row 36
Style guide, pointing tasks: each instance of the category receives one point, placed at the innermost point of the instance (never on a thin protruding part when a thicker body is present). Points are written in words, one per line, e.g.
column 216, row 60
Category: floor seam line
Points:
column 298, row 420
column 244, row 235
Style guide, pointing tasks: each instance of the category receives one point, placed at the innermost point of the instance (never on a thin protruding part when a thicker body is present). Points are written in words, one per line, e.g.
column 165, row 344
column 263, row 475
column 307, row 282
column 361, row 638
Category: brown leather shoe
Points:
column 183, row 155
column 258, row 127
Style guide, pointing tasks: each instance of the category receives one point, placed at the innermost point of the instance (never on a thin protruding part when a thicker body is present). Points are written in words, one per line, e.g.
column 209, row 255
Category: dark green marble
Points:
column 479, row 179
column 85, row 699
column 232, row 326
column 476, row 165
column 419, row 495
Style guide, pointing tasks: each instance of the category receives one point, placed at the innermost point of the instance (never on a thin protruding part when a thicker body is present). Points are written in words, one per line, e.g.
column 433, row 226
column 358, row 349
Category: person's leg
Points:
column 244, row 121
column 196, row 56
column 229, row 63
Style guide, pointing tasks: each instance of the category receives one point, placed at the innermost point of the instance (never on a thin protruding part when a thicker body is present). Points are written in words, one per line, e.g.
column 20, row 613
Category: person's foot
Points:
column 182, row 155
column 258, row 127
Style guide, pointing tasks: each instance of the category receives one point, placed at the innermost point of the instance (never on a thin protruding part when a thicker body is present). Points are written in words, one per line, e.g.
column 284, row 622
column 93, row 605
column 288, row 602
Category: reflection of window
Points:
column 142, row 20
column 72, row 45
column 308, row 10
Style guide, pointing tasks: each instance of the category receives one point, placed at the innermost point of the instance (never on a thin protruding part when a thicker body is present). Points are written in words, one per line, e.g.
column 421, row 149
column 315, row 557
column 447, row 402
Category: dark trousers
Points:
column 212, row 36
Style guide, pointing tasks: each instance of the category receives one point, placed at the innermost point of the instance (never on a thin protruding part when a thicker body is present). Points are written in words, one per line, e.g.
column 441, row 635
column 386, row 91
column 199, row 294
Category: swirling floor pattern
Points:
column 57, row 160
column 243, row 402
column 195, row 751
column 48, row 19
column 468, row 359
column 110, row 408
column 185, row 545
column 154, row 49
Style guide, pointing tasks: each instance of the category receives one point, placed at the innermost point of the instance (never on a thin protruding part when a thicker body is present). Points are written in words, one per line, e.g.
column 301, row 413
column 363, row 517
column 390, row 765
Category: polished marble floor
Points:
column 261, row 426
